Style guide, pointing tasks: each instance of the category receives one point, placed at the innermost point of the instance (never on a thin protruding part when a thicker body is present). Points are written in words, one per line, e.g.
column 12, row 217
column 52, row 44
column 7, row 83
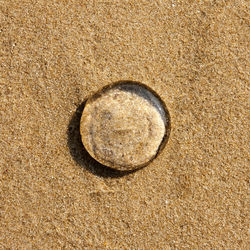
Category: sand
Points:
column 54, row 55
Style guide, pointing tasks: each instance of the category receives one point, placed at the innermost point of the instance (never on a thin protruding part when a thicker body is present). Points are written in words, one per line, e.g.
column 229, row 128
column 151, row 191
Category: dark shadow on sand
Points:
column 81, row 156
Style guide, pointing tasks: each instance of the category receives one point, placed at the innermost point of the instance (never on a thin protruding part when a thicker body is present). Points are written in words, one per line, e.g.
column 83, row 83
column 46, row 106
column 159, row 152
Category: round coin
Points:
column 124, row 125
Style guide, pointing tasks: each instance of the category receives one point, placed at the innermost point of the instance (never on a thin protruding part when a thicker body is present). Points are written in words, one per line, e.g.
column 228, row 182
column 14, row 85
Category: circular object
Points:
column 124, row 125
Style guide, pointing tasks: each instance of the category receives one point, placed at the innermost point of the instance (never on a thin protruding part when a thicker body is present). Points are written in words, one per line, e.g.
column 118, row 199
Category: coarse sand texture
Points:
column 184, row 189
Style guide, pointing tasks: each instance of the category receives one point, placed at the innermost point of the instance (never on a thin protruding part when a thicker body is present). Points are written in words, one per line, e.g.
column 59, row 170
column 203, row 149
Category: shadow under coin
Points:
column 80, row 154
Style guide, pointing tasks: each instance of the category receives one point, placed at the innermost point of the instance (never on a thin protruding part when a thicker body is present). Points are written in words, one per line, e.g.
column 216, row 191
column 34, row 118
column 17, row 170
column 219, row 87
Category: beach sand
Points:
column 54, row 55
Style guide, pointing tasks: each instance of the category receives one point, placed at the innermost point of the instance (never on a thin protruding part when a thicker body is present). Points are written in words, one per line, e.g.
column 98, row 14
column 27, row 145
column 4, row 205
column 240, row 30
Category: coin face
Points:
column 124, row 125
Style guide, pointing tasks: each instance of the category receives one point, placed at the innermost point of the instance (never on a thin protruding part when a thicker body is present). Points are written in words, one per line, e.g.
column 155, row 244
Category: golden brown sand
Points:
column 54, row 54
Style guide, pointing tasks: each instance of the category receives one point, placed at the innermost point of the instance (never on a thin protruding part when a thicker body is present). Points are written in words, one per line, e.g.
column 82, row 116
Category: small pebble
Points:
column 124, row 126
